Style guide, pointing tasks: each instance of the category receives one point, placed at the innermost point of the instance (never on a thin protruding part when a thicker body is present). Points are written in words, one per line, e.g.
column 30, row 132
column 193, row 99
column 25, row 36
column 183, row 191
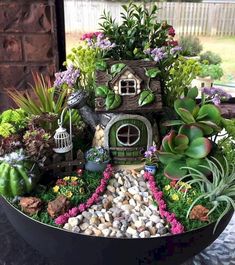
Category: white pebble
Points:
column 156, row 219
column 106, row 232
column 73, row 221
column 145, row 234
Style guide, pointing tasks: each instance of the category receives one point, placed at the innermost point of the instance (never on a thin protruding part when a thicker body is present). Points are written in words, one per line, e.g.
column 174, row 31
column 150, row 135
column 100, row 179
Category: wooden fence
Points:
column 211, row 19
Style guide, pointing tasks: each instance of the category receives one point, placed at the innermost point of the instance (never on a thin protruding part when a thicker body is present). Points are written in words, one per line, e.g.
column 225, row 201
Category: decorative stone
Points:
column 88, row 232
column 154, row 218
column 106, row 232
column 137, row 197
column 199, row 212
column 30, row 205
column 111, row 188
column 76, row 229
column 68, row 226
column 139, row 223
column 73, row 221
column 133, row 190
column 145, row 234
column 59, row 206
column 94, row 220
column 86, row 215
column 131, row 231
column 107, row 204
column 84, row 226
column 132, row 202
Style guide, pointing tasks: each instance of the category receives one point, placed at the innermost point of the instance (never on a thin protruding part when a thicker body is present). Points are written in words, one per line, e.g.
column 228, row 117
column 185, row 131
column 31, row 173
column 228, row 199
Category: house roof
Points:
column 126, row 68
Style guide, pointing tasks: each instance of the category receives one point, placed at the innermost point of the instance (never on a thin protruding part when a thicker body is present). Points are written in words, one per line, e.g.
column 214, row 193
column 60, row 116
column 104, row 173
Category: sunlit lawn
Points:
column 224, row 46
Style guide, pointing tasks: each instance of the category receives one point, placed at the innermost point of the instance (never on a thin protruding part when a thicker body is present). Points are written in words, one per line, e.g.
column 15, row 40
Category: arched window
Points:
column 128, row 134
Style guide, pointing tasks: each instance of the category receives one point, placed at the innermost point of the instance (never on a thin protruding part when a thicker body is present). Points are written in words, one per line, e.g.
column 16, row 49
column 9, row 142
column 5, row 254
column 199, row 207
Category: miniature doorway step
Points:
column 127, row 137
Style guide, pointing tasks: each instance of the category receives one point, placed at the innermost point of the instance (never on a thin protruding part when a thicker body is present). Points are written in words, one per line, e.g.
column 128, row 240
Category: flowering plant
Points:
column 62, row 219
column 69, row 186
column 215, row 95
column 98, row 155
column 151, row 156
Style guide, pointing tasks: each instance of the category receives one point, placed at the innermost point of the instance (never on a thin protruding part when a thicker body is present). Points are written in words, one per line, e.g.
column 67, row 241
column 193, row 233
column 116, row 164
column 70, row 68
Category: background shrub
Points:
column 191, row 46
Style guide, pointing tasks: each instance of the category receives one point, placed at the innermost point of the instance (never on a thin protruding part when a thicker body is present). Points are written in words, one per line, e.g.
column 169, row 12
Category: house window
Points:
column 128, row 134
column 127, row 87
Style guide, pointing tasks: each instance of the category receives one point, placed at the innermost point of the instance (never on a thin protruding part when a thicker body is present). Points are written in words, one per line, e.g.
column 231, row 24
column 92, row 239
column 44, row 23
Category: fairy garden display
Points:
column 120, row 145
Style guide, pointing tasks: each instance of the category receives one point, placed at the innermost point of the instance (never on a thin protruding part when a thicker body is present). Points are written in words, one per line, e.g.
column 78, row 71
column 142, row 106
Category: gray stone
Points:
column 144, row 234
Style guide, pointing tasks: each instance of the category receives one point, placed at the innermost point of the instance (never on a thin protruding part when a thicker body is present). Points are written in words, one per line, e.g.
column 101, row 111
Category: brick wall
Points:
column 28, row 42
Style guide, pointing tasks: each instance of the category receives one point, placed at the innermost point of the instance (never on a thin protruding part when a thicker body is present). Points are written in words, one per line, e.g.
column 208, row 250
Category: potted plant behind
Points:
column 151, row 160
column 97, row 159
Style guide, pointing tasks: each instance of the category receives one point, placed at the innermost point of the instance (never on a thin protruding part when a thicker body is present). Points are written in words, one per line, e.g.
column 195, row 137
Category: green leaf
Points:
column 185, row 103
column 212, row 113
column 197, row 163
column 113, row 101
column 101, row 65
column 146, row 97
column 117, row 68
column 199, row 148
column 173, row 170
column 166, row 157
column 186, row 116
column 191, row 131
column 152, row 73
column 102, row 91
column 172, row 123
column 193, row 93
column 181, row 142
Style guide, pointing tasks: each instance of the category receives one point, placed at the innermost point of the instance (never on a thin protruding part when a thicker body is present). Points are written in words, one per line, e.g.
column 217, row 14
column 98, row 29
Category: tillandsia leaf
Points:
column 152, row 73
column 199, row 148
column 192, row 93
column 174, row 170
column 185, row 103
column 198, row 164
column 216, row 204
column 191, row 131
column 186, row 116
column 212, row 113
column 197, row 174
column 146, row 97
column 102, row 91
column 113, row 101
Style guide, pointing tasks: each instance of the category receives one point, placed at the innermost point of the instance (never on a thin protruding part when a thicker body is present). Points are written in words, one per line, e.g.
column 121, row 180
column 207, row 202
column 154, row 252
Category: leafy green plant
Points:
column 146, row 97
column 214, row 71
column 187, row 147
column 42, row 99
column 191, row 46
column 179, row 78
column 11, row 121
column 219, row 190
column 210, row 57
column 137, row 32
column 98, row 155
column 207, row 117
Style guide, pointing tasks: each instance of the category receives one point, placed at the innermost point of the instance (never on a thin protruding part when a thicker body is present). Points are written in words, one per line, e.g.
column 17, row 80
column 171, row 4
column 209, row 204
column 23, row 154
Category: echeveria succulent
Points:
column 188, row 147
column 207, row 117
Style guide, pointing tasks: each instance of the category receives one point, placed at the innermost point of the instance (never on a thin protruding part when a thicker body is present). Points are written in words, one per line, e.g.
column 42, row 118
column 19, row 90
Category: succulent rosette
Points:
column 188, row 147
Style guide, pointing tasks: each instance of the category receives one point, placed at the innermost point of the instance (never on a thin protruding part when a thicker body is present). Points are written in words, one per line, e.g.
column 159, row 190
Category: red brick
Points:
column 12, row 76
column 10, row 48
column 34, row 17
column 38, row 48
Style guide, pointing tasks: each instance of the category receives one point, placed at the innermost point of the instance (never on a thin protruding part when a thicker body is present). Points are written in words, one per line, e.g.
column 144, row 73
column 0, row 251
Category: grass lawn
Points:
column 224, row 46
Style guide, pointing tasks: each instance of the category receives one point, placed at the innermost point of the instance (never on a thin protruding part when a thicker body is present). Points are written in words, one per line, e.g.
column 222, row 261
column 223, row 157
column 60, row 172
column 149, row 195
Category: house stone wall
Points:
column 28, row 42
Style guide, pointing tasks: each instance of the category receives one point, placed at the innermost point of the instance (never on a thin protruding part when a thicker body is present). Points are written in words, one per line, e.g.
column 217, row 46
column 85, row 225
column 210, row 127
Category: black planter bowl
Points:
column 70, row 248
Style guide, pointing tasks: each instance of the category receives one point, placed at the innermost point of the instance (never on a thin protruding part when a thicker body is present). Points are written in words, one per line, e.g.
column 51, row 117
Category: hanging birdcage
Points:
column 63, row 139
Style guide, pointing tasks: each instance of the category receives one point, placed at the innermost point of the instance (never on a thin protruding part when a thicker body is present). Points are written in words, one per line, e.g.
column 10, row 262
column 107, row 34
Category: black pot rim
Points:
column 111, row 238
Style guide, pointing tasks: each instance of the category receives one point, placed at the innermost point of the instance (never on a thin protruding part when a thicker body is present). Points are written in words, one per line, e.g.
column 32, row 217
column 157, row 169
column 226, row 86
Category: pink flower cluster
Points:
column 176, row 226
column 62, row 219
column 91, row 35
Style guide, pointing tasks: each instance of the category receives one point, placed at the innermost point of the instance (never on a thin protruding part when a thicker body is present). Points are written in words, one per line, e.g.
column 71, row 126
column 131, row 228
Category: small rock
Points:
column 127, row 207
column 58, row 206
column 120, row 181
column 30, row 205
column 131, row 231
column 68, row 226
column 113, row 233
column 86, row 215
column 123, row 189
column 145, row 234
column 149, row 224
column 159, row 225
column 111, row 188
column 139, row 223
column 88, row 232
column 73, row 221
column 162, row 231
column 137, row 197
column 106, row 232
column 84, row 226
column 116, row 224
column 94, row 220
column 154, row 218
column 99, row 213
column 134, row 217
column 156, row 235
column 107, row 217
column 102, row 226
column 148, row 213
column 119, row 234
column 152, row 230
column 153, row 207
column 97, row 232
column 127, row 184
column 107, row 204
column 132, row 202
column 133, row 190
column 76, row 229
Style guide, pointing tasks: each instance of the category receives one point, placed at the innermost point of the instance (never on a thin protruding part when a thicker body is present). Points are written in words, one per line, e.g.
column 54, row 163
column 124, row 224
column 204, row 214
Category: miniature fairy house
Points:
column 127, row 101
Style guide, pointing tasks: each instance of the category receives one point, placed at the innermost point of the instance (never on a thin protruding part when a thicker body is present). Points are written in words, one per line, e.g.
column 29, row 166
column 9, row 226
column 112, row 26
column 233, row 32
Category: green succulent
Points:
column 207, row 117
column 188, row 147
column 219, row 190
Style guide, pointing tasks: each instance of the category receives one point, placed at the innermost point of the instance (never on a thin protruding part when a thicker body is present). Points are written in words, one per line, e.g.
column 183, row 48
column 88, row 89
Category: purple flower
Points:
column 68, row 77
column 216, row 95
column 158, row 54
column 175, row 49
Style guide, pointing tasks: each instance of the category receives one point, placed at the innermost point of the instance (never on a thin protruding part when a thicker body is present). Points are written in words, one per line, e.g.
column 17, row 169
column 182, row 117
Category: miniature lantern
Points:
column 63, row 139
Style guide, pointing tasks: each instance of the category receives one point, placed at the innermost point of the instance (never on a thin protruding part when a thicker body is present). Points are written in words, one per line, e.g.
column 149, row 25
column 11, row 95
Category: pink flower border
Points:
column 176, row 226
column 107, row 174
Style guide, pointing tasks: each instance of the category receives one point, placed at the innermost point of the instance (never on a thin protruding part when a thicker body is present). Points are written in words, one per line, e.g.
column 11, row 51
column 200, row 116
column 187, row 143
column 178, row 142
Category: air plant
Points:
column 187, row 147
column 219, row 190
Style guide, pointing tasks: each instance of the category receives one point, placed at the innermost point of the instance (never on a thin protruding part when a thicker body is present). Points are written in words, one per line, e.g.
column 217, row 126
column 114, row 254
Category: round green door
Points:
column 128, row 140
